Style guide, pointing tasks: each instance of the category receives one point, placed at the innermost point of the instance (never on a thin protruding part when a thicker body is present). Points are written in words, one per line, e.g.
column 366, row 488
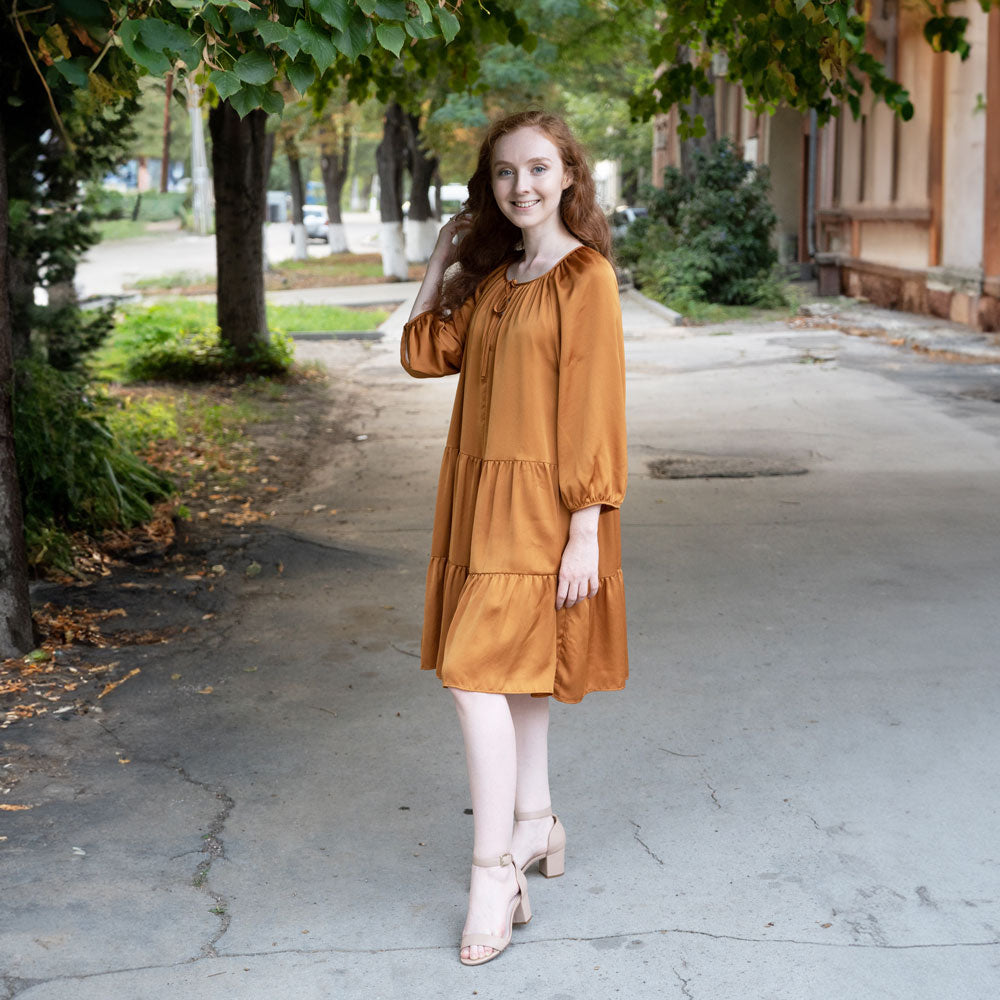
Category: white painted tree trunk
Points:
column 420, row 239
column 300, row 241
column 338, row 238
column 393, row 251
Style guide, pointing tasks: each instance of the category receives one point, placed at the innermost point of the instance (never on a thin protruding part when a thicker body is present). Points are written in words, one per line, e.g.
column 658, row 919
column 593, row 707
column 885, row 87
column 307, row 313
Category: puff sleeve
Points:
column 592, row 460
column 432, row 346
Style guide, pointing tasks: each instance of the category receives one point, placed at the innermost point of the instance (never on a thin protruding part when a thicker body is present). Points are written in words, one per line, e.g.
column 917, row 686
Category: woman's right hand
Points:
column 446, row 249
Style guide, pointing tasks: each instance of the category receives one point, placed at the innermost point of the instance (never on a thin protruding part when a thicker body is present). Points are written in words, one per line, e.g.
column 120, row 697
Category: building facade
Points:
column 905, row 214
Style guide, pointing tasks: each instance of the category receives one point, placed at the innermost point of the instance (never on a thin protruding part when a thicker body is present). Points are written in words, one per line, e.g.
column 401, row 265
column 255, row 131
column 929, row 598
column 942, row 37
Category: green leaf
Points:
column 186, row 4
column 334, row 12
column 292, row 45
column 241, row 20
column 155, row 62
column 73, row 70
column 316, row 44
column 254, row 67
column 272, row 32
column 244, row 101
column 160, row 35
column 391, row 10
column 211, row 15
column 449, row 24
column 368, row 6
column 419, row 30
column 425, row 11
column 357, row 39
column 300, row 75
column 391, row 37
column 272, row 102
column 226, row 83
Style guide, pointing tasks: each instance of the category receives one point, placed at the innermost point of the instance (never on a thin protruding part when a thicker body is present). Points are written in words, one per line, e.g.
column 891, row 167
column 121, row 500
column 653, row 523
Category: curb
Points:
column 664, row 312
column 337, row 335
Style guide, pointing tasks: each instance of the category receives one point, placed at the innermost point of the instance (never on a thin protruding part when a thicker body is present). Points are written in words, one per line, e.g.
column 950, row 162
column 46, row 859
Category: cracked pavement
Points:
column 795, row 797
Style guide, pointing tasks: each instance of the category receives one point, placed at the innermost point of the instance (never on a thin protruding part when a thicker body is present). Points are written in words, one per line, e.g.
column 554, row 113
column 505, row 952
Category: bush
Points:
column 180, row 341
column 708, row 239
column 74, row 473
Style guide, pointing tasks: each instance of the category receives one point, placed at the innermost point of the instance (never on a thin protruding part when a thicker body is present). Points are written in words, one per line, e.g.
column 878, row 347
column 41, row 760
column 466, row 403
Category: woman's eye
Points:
column 539, row 168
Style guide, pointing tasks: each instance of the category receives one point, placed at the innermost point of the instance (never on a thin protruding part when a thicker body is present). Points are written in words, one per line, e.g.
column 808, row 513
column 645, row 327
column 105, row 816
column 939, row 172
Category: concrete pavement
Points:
column 796, row 796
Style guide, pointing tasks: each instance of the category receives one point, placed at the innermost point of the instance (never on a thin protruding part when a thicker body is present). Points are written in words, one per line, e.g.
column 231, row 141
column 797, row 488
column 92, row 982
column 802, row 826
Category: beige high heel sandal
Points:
column 519, row 913
column 552, row 861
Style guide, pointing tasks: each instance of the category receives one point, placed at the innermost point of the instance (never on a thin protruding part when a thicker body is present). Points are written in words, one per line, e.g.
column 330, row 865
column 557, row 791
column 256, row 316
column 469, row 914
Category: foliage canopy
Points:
column 808, row 54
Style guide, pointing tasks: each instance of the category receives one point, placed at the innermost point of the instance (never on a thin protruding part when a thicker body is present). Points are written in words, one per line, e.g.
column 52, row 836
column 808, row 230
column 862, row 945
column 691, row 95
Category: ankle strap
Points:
column 501, row 861
column 537, row 814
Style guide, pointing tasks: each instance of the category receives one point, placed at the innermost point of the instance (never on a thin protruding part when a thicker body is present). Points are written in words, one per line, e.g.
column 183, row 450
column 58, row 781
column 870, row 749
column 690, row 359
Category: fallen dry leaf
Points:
column 108, row 688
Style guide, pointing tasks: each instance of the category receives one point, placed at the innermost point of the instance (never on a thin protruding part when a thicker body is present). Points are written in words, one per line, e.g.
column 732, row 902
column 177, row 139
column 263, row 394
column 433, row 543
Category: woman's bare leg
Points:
column 491, row 755
column 531, row 732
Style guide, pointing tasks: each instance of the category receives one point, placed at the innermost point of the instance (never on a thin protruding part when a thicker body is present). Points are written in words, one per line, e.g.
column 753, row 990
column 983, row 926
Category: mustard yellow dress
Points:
column 537, row 431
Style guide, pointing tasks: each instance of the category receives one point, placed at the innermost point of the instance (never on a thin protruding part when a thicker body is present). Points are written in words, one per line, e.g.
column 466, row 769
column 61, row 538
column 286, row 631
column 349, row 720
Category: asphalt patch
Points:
column 721, row 467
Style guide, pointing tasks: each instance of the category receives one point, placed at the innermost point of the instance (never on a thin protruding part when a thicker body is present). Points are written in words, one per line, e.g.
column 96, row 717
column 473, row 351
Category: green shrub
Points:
column 74, row 473
column 708, row 238
column 179, row 340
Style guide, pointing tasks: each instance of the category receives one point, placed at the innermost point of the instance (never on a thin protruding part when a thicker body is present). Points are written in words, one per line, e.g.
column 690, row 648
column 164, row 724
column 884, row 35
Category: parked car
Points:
column 623, row 217
column 317, row 223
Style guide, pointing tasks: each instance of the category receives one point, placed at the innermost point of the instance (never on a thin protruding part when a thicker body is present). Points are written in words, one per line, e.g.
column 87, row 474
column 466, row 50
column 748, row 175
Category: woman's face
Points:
column 529, row 179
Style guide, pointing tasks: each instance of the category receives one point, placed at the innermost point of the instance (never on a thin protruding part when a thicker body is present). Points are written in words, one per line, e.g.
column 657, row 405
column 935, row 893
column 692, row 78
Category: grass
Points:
column 111, row 362
column 314, row 272
column 302, row 318
column 176, row 279
column 196, row 437
column 704, row 313
column 120, row 229
column 701, row 313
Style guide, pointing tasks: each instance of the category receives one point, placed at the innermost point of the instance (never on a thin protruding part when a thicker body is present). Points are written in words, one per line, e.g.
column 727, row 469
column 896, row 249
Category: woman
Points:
column 524, row 595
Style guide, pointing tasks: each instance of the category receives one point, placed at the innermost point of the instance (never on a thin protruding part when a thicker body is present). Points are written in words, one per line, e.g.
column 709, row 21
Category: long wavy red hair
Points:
column 491, row 237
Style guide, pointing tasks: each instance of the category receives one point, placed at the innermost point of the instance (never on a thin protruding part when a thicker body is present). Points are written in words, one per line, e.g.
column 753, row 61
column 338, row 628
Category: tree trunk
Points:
column 335, row 154
column 15, row 611
column 704, row 105
column 298, row 199
column 165, row 162
column 239, row 160
column 389, row 157
column 421, row 228
column 20, row 297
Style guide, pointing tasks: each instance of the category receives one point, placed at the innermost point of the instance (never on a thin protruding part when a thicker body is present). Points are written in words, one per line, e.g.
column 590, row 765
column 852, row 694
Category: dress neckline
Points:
column 514, row 281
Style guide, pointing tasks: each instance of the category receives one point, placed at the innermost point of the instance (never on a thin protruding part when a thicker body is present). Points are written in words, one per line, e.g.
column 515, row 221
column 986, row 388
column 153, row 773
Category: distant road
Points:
column 109, row 266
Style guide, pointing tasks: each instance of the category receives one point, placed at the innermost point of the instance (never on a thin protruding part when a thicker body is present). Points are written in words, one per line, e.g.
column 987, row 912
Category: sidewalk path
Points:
column 795, row 797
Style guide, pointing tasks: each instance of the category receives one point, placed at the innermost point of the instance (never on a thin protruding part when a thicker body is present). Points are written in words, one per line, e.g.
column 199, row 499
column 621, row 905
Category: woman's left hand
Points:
column 578, row 578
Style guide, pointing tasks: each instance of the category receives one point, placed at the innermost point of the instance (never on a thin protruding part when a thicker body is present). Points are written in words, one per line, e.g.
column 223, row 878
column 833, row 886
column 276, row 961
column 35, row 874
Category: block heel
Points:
column 552, row 862
column 553, row 865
